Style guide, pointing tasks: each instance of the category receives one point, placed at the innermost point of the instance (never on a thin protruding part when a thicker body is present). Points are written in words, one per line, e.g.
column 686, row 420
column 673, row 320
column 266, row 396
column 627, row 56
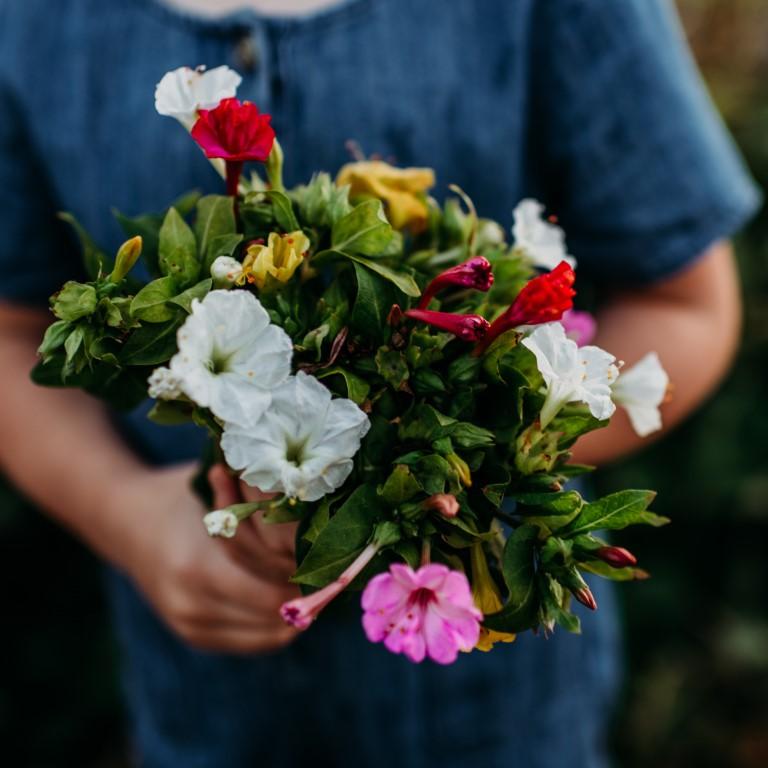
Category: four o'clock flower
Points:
column 428, row 612
column 475, row 273
column 487, row 598
column 541, row 241
column 278, row 259
column 572, row 373
column 221, row 522
column 184, row 91
column 464, row 327
column 541, row 300
column 236, row 132
column 230, row 356
column 302, row 445
column 579, row 326
column 641, row 390
column 302, row 611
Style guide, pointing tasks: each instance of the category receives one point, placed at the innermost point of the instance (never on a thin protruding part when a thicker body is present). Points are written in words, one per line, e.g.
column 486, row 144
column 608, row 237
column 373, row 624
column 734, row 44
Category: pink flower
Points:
column 464, row 327
column 579, row 326
column 475, row 273
column 444, row 503
column 421, row 613
column 302, row 611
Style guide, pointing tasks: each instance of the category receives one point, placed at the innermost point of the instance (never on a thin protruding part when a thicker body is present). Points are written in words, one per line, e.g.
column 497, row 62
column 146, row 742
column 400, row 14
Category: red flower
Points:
column 474, row 273
column 465, row 327
column 542, row 300
column 236, row 132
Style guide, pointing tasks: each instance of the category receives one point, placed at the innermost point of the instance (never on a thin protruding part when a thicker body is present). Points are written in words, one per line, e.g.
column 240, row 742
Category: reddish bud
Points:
column 464, row 327
column 475, row 273
column 616, row 557
column 542, row 300
column 444, row 503
column 395, row 316
column 585, row 597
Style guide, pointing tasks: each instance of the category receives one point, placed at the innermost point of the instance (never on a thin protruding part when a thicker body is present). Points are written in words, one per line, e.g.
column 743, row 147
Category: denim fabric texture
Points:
column 593, row 106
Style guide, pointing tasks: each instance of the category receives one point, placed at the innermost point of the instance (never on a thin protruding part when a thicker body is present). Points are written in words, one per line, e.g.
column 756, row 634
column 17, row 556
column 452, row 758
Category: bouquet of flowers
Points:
column 391, row 373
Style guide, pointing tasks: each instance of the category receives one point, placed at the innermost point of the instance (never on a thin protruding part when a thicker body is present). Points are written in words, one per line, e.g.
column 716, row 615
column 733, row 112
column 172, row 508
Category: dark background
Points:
column 697, row 633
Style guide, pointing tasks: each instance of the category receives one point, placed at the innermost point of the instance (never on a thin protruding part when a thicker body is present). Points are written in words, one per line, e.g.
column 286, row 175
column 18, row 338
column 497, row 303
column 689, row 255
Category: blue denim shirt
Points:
column 593, row 106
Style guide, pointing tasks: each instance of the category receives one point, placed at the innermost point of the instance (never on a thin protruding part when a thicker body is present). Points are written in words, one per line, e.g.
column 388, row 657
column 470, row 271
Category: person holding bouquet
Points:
column 592, row 106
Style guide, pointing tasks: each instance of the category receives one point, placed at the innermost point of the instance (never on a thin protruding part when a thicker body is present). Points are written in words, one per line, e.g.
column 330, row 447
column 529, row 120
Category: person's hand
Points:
column 217, row 594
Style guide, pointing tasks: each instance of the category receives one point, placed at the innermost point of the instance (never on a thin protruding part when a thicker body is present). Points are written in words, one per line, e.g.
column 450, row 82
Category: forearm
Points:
column 59, row 446
column 693, row 322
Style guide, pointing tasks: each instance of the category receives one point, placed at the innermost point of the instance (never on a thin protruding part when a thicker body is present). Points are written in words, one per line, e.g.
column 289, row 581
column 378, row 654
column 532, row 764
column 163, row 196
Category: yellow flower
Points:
column 280, row 258
column 486, row 595
column 401, row 189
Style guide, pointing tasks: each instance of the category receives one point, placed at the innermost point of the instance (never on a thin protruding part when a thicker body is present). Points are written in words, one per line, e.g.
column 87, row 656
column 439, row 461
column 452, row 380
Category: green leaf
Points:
column 55, row 336
column 149, row 304
column 549, row 511
column 553, row 600
column 519, row 612
column 73, row 343
column 283, row 210
column 432, row 472
column 404, row 281
column 75, row 300
column 197, row 291
column 170, row 413
column 321, row 203
column 222, row 245
column 364, row 229
column 178, row 249
column 615, row 512
column 400, row 486
column 342, row 539
column 357, row 387
column 599, row 568
column 151, row 344
column 372, row 304
column 392, row 367
column 95, row 261
column 468, row 436
column 215, row 218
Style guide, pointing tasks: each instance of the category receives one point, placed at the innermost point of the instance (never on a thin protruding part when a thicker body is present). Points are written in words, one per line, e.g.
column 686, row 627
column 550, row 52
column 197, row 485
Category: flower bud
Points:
column 461, row 468
column 585, row 597
column 164, row 384
column 616, row 557
column 221, row 522
column 274, row 166
column 464, row 327
column 126, row 257
column 226, row 271
column 579, row 326
column 475, row 273
column 443, row 503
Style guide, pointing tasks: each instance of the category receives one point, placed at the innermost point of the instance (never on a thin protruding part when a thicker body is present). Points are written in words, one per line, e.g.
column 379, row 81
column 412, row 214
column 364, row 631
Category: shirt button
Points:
column 247, row 55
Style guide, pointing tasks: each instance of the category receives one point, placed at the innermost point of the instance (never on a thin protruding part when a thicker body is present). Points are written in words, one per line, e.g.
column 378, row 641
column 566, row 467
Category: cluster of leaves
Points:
column 442, row 419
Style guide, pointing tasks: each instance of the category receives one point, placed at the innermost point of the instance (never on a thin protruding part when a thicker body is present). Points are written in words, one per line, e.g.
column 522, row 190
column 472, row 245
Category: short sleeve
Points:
column 638, row 164
column 37, row 254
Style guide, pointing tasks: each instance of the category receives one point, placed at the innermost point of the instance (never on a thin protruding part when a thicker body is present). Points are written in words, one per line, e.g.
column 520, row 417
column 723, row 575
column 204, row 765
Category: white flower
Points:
column 230, row 357
column 541, row 241
column 164, row 384
column 641, row 391
column 221, row 522
column 303, row 444
column 183, row 91
column 572, row 374
column 226, row 271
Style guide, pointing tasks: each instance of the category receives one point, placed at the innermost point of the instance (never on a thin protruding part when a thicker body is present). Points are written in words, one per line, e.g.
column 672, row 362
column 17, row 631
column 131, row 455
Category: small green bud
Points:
column 74, row 300
column 274, row 167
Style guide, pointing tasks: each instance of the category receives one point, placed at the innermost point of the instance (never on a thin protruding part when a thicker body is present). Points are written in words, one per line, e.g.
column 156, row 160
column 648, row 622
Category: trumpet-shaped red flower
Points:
column 236, row 132
column 542, row 300
column 464, row 327
column 474, row 273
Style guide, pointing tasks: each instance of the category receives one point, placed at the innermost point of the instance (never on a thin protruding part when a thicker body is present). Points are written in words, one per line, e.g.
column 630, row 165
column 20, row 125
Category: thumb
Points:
column 224, row 486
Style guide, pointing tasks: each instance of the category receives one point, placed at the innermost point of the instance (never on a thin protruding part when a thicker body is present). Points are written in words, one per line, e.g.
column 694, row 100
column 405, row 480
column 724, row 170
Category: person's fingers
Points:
column 249, row 493
column 249, row 550
column 224, row 487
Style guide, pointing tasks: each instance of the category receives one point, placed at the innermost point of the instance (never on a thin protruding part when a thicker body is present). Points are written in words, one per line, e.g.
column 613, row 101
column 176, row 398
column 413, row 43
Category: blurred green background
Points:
column 697, row 633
